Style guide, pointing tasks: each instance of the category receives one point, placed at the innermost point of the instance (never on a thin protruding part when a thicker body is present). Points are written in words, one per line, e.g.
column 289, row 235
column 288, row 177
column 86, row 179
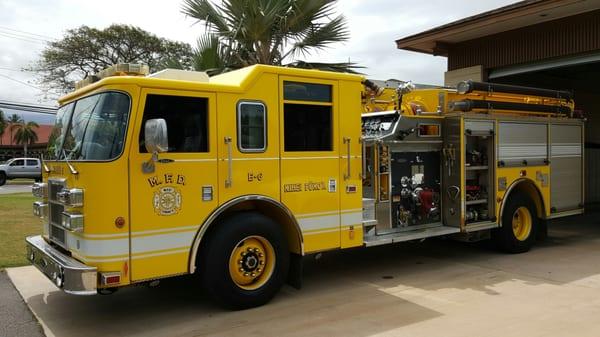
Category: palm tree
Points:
column 3, row 125
column 246, row 32
column 25, row 134
column 13, row 120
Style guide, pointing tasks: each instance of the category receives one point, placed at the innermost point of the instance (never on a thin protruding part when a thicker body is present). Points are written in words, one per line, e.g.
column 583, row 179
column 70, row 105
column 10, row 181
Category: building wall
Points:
column 573, row 35
column 37, row 151
column 452, row 77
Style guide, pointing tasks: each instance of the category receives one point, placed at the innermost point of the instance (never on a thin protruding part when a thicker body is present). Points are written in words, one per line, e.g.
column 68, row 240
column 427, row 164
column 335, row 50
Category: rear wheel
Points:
column 2, row 178
column 245, row 261
column 519, row 225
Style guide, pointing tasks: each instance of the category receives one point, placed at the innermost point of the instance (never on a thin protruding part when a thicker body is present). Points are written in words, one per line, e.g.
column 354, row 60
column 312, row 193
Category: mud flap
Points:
column 295, row 272
column 542, row 230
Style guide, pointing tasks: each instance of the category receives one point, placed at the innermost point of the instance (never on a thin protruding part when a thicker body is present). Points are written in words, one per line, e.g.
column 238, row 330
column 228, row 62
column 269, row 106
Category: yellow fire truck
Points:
column 238, row 176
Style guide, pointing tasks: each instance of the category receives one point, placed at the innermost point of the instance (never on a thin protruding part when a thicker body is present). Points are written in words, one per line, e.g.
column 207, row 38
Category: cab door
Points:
column 16, row 168
column 248, row 142
column 169, row 202
column 350, row 145
column 34, row 169
column 310, row 158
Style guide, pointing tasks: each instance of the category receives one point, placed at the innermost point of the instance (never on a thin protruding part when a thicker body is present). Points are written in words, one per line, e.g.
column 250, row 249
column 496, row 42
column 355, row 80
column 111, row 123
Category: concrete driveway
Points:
column 435, row 288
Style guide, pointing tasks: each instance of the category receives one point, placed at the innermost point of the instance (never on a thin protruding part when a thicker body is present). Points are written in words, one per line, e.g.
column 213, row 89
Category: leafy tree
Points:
column 3, row 125
column 25, row 134
column 13, row 120
column 246, row 32
column 85, row 50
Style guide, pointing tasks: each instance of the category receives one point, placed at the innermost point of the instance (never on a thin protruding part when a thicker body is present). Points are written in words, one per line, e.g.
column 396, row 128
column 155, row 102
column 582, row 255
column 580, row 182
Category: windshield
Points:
column 92, row 128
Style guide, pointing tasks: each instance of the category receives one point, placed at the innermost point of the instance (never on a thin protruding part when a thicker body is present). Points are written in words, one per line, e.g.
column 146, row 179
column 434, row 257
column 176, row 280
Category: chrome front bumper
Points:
column 68, row 274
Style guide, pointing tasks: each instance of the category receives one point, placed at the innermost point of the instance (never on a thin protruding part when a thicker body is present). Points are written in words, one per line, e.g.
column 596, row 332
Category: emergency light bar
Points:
column 121, row 69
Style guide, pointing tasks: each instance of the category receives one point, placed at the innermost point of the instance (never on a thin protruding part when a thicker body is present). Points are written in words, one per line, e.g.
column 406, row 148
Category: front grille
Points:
column 55, row 186
column 56, row 213
column 55, row 209
column 57, row 235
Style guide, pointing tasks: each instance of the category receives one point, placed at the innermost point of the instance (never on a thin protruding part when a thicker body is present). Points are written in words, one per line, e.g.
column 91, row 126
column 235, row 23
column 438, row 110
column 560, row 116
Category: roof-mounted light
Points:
column 125, row 69
column 121, row 69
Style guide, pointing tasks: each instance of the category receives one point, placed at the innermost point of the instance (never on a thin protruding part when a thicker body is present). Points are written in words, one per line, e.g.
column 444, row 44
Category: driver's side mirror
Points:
column 156, row 141
column 156, row 137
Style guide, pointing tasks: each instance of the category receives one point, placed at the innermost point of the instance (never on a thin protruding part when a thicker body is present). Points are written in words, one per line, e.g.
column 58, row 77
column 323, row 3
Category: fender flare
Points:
column 226, row 207
column 520, row 182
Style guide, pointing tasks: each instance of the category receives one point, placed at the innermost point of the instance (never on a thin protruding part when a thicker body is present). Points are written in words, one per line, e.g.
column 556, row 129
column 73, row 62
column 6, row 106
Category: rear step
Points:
column 417, row 234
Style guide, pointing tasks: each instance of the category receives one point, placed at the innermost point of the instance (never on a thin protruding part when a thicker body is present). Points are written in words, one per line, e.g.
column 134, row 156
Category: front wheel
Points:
column 519, row 225
column 245, row 261
column 2, row 178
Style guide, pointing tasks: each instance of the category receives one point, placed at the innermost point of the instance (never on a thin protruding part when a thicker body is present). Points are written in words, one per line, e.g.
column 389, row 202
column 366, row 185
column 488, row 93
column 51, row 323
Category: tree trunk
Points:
column 25, row 149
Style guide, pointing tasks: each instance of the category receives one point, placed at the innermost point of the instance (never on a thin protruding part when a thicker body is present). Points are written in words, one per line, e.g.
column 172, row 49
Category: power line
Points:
column 24, row 83
column 29, row 37
column 27, row 33
column 22, row 39
column 19, row 70
column 32, row 107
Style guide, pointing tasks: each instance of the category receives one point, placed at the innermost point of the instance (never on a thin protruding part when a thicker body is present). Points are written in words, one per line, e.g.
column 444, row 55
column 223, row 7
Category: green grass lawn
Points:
column 20, row 181
column 16, row 222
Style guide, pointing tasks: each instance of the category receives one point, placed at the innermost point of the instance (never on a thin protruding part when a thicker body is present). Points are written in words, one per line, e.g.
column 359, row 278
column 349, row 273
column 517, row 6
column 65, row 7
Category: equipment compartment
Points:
column 479, row 183
column 415, row 188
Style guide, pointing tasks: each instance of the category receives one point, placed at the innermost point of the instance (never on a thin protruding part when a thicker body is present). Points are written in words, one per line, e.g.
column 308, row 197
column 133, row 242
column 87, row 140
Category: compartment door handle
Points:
column 228, row 181
column 347, row 142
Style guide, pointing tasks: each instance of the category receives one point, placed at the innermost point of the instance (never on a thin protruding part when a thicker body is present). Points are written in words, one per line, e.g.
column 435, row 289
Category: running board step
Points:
column 377, row 240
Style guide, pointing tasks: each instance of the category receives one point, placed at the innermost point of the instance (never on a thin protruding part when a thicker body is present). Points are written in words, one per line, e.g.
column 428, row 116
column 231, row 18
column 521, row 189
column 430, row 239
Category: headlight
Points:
column 40, row 209
column 72, row 222
column 70, row 197
column 40, row 190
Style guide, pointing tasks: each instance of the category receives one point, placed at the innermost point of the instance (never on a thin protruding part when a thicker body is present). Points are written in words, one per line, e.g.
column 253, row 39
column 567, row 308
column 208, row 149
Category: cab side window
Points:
column 252, row 133
column 187, row 121
column 18, row 162
column 307, row 117
column 32, row 162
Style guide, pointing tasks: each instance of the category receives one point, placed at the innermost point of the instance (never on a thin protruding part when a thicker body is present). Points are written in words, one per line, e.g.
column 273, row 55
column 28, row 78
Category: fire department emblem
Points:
column 167, row 201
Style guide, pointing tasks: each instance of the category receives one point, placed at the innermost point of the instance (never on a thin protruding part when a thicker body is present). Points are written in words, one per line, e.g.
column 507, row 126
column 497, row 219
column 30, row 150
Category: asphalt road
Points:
column 9, row 189
column 15, row 318
column 434, row 288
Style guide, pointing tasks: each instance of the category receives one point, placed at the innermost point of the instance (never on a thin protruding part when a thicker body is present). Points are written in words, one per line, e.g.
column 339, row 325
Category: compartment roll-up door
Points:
column 522, row 144
column 566, row 151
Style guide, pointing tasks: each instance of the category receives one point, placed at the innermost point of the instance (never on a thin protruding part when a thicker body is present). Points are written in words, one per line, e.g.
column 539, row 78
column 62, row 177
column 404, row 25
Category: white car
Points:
column 20, row 168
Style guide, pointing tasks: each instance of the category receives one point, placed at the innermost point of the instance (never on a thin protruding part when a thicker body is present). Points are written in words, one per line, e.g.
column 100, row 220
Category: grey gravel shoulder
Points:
column 16, row 320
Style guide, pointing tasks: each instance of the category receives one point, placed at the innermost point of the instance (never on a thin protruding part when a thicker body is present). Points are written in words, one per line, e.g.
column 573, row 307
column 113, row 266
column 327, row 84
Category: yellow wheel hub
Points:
column 521, row 223
column 252, row 262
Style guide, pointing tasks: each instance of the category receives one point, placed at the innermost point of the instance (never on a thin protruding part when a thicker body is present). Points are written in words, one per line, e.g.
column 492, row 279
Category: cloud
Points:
column 374, row 26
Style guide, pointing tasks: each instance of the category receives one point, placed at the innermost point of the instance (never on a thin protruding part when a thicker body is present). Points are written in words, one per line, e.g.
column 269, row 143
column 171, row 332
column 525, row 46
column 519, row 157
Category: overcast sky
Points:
column 374, row 26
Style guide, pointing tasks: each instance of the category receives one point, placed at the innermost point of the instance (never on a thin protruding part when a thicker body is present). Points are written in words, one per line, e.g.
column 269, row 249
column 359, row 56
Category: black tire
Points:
column 223, row 242
column 505, row 237
column 2, row 178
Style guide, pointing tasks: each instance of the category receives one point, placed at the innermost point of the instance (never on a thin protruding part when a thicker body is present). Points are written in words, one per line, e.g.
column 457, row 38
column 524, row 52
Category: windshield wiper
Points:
column 71, row 167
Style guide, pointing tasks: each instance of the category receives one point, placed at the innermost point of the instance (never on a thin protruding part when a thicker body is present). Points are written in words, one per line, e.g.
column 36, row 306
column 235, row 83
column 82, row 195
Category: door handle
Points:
column 347, row 142
column 228, row 181
column 363, row 175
